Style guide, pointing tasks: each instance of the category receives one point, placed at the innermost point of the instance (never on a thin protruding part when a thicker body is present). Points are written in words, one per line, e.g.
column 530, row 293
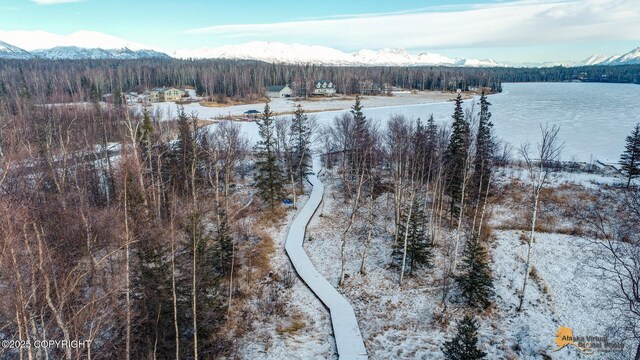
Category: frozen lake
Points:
column 594, row 118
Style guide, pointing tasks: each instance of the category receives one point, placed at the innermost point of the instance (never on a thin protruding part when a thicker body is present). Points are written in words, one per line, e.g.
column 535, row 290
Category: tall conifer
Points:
column 475, row 279
column 269, row 179
column 300, row 143
column 630, row 159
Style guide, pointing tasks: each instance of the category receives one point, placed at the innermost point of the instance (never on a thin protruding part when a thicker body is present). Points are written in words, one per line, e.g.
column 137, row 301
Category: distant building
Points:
column 323, row 87
column 252, row 113
column 279, row 91
column 165, row 94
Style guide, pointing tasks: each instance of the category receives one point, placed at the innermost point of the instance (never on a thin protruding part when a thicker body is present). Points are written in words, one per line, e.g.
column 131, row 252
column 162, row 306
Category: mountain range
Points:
column 632, row 57
column 8, row 51
column 277, row 52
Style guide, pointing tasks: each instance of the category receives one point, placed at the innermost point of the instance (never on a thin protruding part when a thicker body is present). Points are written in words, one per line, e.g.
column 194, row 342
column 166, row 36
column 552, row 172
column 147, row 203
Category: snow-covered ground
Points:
column 405, row 322
column 345, row 326
column 280, row 338
column 168, row 110
column 568, row 292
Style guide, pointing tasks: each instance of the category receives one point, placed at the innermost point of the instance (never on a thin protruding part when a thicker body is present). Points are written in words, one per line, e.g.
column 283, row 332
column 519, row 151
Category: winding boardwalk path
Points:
column 349, row 341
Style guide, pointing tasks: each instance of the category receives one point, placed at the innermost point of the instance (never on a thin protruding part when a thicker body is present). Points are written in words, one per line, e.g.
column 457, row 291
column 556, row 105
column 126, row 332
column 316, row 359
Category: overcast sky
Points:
column 518, row 31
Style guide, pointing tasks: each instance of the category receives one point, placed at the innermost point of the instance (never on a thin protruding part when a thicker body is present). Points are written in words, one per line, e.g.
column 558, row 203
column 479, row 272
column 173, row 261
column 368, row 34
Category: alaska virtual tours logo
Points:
column 585, row 344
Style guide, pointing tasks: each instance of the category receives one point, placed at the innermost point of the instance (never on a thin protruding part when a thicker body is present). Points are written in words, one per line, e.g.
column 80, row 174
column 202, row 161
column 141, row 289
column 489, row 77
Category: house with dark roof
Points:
column 279, row 91
column 323, row 87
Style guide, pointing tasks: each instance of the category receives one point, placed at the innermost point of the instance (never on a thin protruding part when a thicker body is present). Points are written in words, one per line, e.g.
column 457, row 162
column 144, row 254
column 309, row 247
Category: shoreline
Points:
column 286, row 106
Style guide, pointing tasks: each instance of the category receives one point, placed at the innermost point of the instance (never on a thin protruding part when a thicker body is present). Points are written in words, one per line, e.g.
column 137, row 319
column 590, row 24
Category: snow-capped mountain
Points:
column 76, row 53
column 272, row 52
column 38, row 39
column 8, row 51
column 276, row 52
column 630, row 58
column 593, row 59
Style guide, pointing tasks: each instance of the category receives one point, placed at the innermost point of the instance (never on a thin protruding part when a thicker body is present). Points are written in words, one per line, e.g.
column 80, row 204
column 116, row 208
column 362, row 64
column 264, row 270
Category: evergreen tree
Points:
column 269, row 179
column 360, row 157
column 475, row 279
column 419, row 246
column 484, row 148
column 199, row 255
column 420, row 154
column 118, row 98
column 199, row 87
column 186, row 152
column 145, row 132
column 464, row 346
column 630, row 159
column 427, row 146
column 224, row 246
column 457, row 156
column 153, row 309
column 300, row 142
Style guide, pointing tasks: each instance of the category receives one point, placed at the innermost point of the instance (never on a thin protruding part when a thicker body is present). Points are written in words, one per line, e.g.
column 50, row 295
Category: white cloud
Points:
column 38, row 39
column 515, row 23
column 53, row 2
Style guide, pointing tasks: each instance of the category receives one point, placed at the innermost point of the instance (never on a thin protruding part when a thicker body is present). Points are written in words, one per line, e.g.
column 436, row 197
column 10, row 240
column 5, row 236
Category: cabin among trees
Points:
column 279, row 91
column 165, row 94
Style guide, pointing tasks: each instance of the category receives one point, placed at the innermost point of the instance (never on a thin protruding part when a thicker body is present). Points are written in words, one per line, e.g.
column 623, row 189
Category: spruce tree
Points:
column 630, row 158
column 118, row 97
column 224, row 246
column 151, row 295
column 419, row 246
column 185, row 152
column 300, row 142
column 360, row 141
column 145, row 132
column 464, row 346
column 484, row 148
column 199, row 255
column 457, row 156
column 269, row 179
column 426, row 147
column 475, row 279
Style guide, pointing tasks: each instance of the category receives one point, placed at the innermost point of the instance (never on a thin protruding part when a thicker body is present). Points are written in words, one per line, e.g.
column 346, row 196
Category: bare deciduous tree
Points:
column 538, row 166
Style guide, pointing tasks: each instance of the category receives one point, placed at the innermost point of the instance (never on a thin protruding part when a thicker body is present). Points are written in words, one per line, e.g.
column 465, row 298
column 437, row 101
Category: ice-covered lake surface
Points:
column 594, row 118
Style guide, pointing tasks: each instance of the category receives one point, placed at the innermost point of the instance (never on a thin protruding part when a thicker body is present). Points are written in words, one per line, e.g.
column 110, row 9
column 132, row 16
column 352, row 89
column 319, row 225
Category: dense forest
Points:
column 65, row 81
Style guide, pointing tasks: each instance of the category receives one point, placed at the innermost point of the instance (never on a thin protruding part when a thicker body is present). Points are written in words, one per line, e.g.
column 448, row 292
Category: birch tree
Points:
column 538, row 164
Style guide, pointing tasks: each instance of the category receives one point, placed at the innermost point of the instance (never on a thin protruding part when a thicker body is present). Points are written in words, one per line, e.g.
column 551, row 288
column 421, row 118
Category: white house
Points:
column 165, row 94
column 323, row 87
column 279, row 91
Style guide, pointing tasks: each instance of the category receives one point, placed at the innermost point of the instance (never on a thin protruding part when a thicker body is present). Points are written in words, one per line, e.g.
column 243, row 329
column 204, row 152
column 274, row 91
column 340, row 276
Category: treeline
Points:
column 75, row 80
column 612, row 74
column 69, row 81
